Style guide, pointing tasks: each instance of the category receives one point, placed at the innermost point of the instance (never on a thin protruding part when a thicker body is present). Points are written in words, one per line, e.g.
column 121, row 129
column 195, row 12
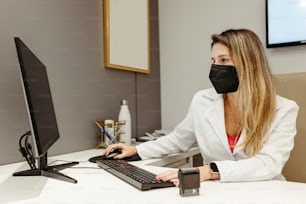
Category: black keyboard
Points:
column 135, row 176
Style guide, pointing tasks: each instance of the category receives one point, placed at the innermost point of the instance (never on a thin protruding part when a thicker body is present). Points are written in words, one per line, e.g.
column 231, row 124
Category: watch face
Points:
column 214, row 167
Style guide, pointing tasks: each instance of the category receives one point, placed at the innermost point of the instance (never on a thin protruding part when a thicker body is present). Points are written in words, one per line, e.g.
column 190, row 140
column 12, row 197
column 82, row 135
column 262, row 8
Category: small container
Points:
column 109, row 132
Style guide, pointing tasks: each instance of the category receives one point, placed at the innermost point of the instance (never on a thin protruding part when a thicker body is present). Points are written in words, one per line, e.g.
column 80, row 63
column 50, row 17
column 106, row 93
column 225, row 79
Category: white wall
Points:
column 185, row 30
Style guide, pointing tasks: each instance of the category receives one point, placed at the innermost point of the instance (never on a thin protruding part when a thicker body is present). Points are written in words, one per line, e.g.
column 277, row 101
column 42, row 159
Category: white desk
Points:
column 97, row 186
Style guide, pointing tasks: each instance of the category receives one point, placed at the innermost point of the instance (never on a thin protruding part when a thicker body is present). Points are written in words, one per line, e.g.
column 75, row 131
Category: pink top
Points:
column 232, row 141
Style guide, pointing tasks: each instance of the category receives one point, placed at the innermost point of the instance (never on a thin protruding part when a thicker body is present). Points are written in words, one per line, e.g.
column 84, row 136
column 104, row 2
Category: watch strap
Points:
column 213, row 167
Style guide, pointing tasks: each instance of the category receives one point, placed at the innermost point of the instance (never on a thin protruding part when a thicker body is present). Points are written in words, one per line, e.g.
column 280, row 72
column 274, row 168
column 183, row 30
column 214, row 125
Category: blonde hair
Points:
column 256, row 89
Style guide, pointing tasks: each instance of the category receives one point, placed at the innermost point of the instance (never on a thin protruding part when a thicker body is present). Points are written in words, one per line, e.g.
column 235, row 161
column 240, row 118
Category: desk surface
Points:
column 97, row 186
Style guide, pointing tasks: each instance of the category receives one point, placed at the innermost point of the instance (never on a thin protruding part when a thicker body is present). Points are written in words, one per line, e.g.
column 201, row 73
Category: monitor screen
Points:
column 38, row 98
column 285, row 23
column 41, row 113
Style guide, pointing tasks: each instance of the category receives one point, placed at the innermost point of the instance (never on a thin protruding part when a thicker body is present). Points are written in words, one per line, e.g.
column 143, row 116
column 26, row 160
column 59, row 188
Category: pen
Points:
column 117, row 133
column 109, row 137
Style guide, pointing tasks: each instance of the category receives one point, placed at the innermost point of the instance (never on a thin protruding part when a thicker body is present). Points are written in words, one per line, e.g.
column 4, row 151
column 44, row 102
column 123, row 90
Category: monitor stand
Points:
column 49, row 171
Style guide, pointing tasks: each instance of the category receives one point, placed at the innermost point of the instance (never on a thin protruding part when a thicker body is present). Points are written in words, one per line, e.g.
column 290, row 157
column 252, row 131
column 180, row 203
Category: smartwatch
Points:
column 214, row 171
column 213, row 167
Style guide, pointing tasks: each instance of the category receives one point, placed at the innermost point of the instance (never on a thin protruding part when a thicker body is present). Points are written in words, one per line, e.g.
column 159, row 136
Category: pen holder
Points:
column 189, row 181
column 109, row 132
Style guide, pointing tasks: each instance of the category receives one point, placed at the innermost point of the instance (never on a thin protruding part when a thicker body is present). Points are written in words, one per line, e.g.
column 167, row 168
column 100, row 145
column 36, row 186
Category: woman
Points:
column 245, row 131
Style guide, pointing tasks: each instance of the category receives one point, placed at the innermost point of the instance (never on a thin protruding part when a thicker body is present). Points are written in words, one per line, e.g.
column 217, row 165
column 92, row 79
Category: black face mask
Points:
column 224, row 78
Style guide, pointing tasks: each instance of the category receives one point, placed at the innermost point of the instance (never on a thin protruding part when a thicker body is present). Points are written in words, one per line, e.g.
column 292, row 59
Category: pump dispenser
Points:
column 125, row 116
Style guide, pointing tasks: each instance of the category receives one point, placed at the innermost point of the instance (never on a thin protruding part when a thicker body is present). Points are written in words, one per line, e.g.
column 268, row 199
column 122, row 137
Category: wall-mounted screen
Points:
column 285, row 23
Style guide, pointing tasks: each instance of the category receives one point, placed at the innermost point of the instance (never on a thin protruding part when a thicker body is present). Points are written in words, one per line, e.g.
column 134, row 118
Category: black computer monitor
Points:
column 41, row 113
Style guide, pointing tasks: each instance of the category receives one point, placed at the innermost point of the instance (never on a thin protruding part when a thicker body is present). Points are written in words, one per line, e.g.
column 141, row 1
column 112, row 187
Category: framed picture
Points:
column 127, row 35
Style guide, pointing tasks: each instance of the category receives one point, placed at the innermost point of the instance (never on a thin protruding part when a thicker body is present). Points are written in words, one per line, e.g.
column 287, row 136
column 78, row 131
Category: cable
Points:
column 65, row 161
column 73, row 167
column 29, row 150
column 25, row 152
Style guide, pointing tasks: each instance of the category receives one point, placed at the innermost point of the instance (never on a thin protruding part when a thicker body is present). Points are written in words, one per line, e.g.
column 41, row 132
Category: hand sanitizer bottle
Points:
column 125, row 116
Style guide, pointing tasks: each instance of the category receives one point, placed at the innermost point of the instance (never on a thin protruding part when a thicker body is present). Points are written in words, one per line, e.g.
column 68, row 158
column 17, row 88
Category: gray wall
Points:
column 66, row 35
column 185, row 57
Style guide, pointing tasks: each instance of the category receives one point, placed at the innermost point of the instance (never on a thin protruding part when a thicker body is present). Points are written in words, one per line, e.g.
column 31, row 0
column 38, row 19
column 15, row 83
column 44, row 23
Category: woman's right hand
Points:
column 127, row 150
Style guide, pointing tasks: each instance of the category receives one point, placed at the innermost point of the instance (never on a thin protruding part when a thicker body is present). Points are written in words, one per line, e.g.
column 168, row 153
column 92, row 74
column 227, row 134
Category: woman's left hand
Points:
column 170, row 175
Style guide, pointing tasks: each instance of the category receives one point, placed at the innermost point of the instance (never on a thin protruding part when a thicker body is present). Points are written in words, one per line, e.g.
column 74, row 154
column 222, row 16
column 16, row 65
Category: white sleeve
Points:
column 181, row 139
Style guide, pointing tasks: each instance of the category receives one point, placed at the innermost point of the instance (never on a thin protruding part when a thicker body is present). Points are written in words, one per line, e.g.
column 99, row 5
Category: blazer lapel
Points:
column 216, row 119
column 239, row 145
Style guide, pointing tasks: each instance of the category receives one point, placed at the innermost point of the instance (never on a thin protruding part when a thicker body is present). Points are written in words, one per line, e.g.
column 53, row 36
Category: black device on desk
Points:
column 41, row 115
column 133, row 175
column 112, row 155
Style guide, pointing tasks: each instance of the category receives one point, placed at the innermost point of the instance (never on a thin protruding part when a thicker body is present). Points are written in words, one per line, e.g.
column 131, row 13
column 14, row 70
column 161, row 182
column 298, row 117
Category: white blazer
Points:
column 204, row 126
